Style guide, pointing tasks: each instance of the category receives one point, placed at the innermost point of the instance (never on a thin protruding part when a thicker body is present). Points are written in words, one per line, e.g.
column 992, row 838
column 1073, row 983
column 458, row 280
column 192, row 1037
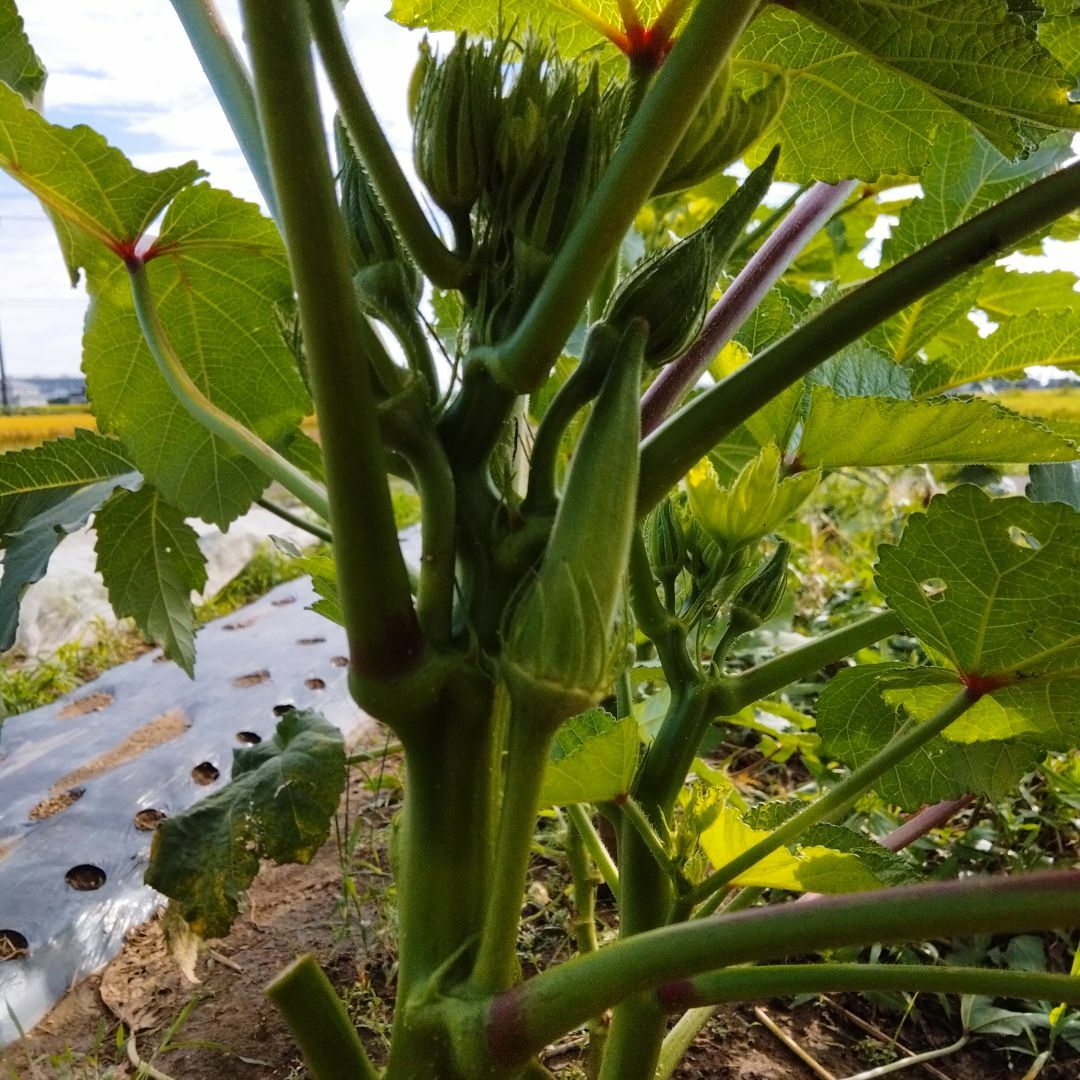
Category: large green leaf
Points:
column 29, row 546
column 845, row 115
column 219, row 269
column 1055, row 483
column 593, row 759
column 991, row 584
column 855, row 721
column 20, row 66
column 1005, row 293
column 91, row 190
column 150, row 561
column 974, row 56
column 1027, row 341
column 1061, row 36
column 570, row 28
column 34, row 479
column 849, row 431
column 278, row 805
column 964, row 175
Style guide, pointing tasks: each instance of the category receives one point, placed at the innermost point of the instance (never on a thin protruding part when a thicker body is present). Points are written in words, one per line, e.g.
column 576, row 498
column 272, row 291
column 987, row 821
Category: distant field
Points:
column 33, row 428
column 1058, row 406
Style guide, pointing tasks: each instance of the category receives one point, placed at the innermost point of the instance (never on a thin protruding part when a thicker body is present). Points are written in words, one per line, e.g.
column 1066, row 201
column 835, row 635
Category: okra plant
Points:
column 609, row 460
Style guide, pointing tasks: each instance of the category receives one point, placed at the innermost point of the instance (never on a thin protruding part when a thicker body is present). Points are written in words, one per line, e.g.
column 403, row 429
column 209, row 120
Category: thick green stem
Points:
column 228, row 77
column 522, row 361
column 215, row 420
column 787, row 980
column 665, row 961
column 584, row 880
column 320, row 1023
column 675, row 446
column 285, row 514
column 384, row 635
column 440, row 265
column 759, row 682
column 579, row 817
column 528, row 742
column 648, row 835
column 838, row 799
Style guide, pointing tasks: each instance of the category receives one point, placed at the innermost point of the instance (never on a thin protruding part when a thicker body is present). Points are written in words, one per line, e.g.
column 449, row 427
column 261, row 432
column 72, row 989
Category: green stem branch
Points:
column 787, row 980
column 440, row 265
column 320, row 1023
column 385, row 639
column 231, row 84
column 838, row 799
column 759, row 682
column 688, row 435
column 215, row 420
column 579, row 818
column 285, row 514
column 666, row 961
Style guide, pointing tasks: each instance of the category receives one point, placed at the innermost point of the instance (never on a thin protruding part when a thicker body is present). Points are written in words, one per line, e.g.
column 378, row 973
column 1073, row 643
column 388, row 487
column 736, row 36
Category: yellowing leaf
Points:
column 757, row 502
column 809, row 869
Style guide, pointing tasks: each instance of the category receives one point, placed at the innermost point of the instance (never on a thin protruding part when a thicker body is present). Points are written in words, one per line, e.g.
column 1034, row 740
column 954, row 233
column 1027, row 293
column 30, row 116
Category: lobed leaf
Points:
column 593, row 759
column 150, row 561
column 20, row 66
column 217, row 272
column 991, row 584
column 278, row 805
column 1037, row 338
column 855, row 431
column 97, row 197
column 974, row 56
column 855, row 721
column 38, row 524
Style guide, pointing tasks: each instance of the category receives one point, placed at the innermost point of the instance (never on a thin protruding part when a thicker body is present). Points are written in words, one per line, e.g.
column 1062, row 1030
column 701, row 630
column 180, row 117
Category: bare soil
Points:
column 340, row 908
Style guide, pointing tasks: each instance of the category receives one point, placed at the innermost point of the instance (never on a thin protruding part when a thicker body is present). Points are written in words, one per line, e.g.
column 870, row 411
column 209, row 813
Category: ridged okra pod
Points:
column 559, row 640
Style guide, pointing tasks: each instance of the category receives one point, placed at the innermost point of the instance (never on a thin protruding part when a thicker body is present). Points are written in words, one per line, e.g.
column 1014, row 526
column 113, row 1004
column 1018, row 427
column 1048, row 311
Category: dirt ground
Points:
column 338, row 908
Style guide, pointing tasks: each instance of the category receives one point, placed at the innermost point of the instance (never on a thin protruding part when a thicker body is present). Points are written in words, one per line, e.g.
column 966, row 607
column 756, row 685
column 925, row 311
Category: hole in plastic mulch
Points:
column 205, row 773
column 149, row 819
column 13, row 946
column 85, row 877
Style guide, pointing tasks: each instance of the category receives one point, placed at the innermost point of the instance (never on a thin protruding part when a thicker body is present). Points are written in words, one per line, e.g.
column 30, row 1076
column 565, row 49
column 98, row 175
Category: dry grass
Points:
column 18, row 432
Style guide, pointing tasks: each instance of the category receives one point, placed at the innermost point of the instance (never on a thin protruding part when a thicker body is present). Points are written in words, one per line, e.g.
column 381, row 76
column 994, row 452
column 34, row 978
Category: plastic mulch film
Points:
column 84, row 780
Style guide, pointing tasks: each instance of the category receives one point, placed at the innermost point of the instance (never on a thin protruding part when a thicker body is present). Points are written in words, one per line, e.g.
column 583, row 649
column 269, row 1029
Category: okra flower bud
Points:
column 559, row 642
column 456, row 110
column 384, row 272
column 665, row 541
column 760, row 596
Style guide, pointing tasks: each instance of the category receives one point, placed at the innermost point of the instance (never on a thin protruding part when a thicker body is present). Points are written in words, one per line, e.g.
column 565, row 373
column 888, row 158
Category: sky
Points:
column 124, row 67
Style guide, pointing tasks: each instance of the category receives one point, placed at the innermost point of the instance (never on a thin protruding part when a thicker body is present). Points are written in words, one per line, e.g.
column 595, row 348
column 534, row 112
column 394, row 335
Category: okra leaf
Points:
column 991, row 584
column 1060, row 36
column 855, row 721
column 571, row 31
column 1005, row 294
column 20, row 66
column 217, row 271
column 805, row 868
column 1059, row 482
column 855, row 431
column 593, row 759
column 150, row 561
column 965, row 174
column 99, row 201
column 37, row 524
column 278, row 805
column 974, row 56
column 323, row 573
column 33, row 480
column 1037, row 338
